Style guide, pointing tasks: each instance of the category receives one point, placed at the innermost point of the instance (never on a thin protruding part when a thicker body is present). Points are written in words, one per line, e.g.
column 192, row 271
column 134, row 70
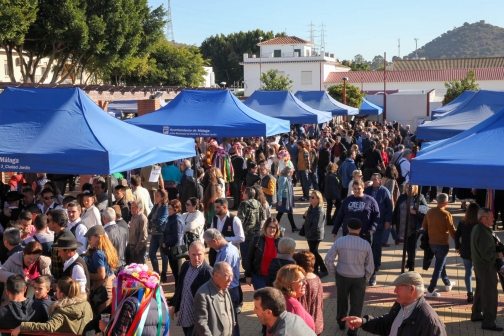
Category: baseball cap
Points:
column 96, row 230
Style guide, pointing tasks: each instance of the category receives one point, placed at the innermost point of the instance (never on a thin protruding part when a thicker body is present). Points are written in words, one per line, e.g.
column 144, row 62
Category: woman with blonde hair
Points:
column 285, row 197
column 356, row 176
column 314, row 230
column 262, row 250
column 291, row 281
column 70, row 314
column 102, row 261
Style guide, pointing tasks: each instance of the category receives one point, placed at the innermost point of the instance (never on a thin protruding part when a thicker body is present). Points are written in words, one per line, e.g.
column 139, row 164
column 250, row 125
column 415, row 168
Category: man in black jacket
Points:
column 323, row 160
column 235, row 186
column 410, row 315
column 194, row 273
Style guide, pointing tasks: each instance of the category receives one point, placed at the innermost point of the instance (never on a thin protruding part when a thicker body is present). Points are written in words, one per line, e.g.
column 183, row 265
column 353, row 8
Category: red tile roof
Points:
column 414, row 75
column 450, row 63
column 285, row 40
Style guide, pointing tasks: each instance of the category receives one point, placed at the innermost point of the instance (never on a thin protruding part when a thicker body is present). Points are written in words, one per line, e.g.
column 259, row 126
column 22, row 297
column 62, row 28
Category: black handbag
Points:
column 302, row 231
column 178, row 252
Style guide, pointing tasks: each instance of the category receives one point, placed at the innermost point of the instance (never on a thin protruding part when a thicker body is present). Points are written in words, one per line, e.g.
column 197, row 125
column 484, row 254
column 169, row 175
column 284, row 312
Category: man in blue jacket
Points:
column 382, row 197
column 362, row 207
column 345, row 171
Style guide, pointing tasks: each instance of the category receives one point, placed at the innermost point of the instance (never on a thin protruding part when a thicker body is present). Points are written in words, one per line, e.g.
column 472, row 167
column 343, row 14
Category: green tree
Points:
column 377, row 62
column 75, row 35
column 354, row 96
column 16, row 16
column 168, row 65
column 454, row 88
column 271, row 81
column 225, row 52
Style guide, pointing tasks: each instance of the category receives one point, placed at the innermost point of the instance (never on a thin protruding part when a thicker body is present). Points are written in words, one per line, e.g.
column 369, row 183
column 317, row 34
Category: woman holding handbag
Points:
column 101, row 263
column 157, row 221
column 173, row 236
column 194, row 221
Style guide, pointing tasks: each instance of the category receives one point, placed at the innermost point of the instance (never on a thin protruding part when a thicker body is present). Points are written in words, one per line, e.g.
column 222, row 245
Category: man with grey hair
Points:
column 398, row 154
column 138, row 235
column 410, row 315
column 227, row 252
column 12, row 241
column 439, row 223
column 404, row 169
column 286, row 249
column 118, row 235
column 484, row 255
column 213, row 307
column 194, row 273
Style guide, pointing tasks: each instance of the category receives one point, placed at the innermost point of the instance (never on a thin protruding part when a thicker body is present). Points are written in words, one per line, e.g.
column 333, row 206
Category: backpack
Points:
column 400, row 178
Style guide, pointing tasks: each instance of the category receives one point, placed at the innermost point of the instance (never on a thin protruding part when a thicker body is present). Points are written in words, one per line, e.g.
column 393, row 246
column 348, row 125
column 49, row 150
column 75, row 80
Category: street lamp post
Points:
column 344, row 89
column 260, row 60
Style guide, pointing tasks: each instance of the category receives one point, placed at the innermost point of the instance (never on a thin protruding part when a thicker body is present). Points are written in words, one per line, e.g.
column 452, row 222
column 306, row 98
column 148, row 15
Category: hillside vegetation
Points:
column 478, row 39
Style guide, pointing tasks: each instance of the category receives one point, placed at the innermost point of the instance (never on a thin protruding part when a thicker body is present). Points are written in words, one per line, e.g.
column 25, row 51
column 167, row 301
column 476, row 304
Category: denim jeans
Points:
column 259, row 281
column 305, row 182
column 468, row 266
column 376, row 247
column 386, row 234
column 155, row 245
column 440, row 252
column 313, row 178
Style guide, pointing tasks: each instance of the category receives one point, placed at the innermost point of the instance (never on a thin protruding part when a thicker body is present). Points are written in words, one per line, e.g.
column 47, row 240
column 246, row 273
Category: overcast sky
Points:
column 366, row 27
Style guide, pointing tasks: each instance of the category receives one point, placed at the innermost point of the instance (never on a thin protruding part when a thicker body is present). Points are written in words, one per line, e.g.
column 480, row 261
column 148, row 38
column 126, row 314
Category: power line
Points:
column 169, row 25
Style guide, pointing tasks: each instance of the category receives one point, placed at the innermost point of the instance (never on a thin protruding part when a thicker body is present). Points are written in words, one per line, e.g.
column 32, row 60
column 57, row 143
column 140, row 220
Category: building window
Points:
column 277, row 53
column 298, row 51
column 306, row 77
column 6, row 69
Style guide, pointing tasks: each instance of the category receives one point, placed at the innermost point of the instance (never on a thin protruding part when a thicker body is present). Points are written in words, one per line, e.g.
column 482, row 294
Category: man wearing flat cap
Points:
column 354, row 268
column 410, row 315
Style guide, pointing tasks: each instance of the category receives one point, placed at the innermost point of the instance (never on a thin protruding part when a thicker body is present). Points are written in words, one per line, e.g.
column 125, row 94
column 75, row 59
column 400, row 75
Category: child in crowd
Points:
column 69, row 314
column 42, row 287
column 25, row 225
column 20, row 309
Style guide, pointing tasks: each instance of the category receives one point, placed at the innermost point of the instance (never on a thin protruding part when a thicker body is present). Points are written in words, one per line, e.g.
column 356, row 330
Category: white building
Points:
column 292, row 57
column 208, row 78
column 41, row 68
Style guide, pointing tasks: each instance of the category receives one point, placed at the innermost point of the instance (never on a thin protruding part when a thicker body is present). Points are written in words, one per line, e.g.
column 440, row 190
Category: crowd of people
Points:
column 62, row 257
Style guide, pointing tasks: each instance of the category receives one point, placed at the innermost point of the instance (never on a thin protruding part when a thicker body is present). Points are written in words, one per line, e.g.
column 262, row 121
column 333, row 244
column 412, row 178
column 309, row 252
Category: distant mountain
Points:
column 478, row 39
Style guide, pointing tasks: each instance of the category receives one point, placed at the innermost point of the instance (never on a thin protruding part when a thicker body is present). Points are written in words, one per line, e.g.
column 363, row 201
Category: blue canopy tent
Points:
column 369, row 108
column 210, row 114
column 62, row 131
column 453, row 105
column 465, row 161
column 482, row 105
column 322, row 101
column 284, row 105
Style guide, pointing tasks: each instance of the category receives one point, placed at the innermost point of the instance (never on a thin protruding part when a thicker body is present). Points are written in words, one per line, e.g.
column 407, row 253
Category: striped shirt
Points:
column 355, row 258
column 186, row 313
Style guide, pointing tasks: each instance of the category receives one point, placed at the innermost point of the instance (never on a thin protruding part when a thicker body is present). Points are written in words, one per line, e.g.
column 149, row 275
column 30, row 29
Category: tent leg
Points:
column 406, row 229
column 109, row 190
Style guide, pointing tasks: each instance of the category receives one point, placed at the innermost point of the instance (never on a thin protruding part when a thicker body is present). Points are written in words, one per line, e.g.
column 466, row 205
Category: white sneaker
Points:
column 433, row 294
column 449, row 288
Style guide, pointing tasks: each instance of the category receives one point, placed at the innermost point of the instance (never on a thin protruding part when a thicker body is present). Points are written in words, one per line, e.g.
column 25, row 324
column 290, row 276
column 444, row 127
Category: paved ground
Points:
column 451, row 307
